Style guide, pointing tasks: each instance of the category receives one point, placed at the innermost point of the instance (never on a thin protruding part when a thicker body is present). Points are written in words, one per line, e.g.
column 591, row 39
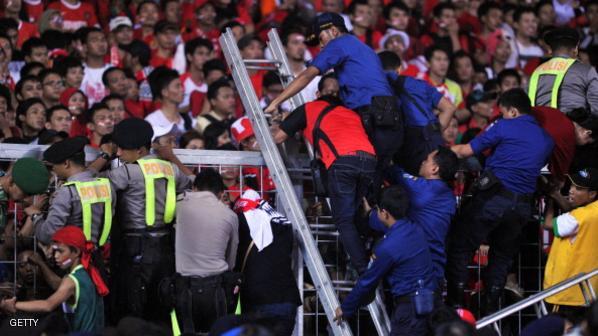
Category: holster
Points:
column 487, row 182
column 319, row 175
column 385, row 111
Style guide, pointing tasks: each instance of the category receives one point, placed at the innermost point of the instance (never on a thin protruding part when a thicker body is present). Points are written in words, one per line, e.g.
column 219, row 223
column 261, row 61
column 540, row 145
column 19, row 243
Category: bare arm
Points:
column 447, row 111
column 51, row 278
column 463, row 151
column 64, row 292
column 548, row 215
column 298, row 84
column 279, row 135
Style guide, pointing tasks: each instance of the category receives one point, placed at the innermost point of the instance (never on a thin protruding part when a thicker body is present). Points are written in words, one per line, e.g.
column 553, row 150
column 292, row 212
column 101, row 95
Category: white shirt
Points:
column 520, row 53
column 163, row 126
column 189, row 85
column 92, row 84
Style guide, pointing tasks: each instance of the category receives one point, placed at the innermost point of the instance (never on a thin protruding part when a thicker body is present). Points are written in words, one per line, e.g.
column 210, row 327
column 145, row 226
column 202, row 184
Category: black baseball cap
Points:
column 478, row 96
column 585, row 178
column 561, row 36
column 325, row 21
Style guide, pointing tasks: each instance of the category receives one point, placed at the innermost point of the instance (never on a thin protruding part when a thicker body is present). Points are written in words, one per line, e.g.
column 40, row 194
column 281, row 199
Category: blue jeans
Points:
column 406, row 322
column 283, row 313
column 349, row 180
column 490, row 216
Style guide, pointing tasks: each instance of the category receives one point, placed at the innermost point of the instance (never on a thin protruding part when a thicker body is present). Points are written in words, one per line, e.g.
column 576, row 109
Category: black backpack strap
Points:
column 399, row 86
column 318, row 134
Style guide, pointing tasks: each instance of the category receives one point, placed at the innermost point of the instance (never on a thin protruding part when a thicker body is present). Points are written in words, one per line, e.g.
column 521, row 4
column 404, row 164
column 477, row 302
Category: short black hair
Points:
column 209, row 180
column 143, row 3
column 63, row 64
column 246, row 40
column 211, row 134
column 23, row 80
column 522, row 10
column 323, row 79
column 8, row 23
column 216, row 86
column 447, row 162
column 5, row 92
column 47, row 72
column 160, row 78
column 213, row 65
column 271, row 78
column 390, row 60
column 113, row 96
column 353, row 5
column 284, row 38
column 55, row 39
column 394, row 200
column 541, row 4
column 437, row 12
column 50, row 112
column 89, row 31
column 32, row 43
column 486, row 6
column 508, row 73
column 29, row 67
column 25, row 105
column 400, row 5
column 429, row 52
column 94, row 109
column 140, row 50
column 516, row 98
column 189, row 136
column 191, row 45
column 107, row 72
column 231, row 24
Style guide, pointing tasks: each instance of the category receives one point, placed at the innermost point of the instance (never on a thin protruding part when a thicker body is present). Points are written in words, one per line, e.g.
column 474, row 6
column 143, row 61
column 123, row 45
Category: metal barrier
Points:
column 581, row 280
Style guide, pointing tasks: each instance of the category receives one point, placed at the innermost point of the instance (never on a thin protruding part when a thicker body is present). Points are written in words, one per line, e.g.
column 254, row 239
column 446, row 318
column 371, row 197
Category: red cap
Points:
column 241, row 129
column 466, row 316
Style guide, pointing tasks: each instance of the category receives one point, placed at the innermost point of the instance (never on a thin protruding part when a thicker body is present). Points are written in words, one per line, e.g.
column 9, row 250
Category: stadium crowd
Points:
column 439, row 127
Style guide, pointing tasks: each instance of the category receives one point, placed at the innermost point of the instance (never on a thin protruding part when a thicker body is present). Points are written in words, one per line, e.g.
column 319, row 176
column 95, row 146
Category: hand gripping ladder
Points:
column 376, row 308
column 289, row 201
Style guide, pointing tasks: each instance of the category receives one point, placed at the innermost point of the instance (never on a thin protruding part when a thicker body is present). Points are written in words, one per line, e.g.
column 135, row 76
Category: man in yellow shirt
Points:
column 574, row 249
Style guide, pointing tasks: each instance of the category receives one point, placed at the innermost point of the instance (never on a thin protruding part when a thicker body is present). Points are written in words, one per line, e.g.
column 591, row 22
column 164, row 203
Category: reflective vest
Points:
column 556, row 66
column 152, row 170
column 92, row 192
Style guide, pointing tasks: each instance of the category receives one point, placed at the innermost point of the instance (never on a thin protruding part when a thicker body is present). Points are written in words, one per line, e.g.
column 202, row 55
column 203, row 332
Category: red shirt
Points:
column 147, row 39
column 135, row 109
column 158, row 60
column 34, row 8
column 75, row 16
column 371, row 38
column 26, row 31
column 562, row 131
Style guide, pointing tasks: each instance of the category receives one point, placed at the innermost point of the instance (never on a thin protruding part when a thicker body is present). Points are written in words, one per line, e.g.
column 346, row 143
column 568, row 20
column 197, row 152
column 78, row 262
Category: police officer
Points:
column 432, row 202
column 419, row 100
column 501, row 201
column 363, row 85
column 147, row 189
column 563, row 82
column 84, row 200
column 338, row 136
column 404, row 259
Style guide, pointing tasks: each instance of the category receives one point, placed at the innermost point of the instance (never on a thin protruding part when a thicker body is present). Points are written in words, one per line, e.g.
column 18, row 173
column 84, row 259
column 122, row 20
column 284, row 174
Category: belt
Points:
column 514, row 196
column 154, row 232
column 213, row 280
column 360, row 153
column 402, row 299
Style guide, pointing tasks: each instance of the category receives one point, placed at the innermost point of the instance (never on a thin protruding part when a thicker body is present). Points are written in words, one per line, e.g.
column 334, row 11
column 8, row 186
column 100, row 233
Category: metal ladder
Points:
column 288, row 199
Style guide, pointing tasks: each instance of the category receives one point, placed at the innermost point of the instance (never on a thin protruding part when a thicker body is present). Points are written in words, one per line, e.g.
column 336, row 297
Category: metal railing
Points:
column 582, row 280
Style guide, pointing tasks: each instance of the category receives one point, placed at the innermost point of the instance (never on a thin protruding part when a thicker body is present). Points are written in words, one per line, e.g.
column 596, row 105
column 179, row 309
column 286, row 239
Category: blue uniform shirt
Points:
column 403, row 257
column 432, row 205
column 521, row 149
column 358, row 69
column 422, row 94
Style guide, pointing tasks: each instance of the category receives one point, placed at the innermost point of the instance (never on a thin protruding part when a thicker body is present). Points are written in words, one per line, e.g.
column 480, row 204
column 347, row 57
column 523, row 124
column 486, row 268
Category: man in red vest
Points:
column 350, row 160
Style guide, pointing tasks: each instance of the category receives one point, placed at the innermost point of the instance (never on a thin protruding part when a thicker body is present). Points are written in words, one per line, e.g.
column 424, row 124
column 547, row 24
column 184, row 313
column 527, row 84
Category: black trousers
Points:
column 200, row 302
column 143, row 261
column 493, row 215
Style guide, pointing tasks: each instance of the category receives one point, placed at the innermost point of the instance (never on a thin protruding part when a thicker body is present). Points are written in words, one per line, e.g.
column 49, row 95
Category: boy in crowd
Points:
column 100, row 123
column 58, row 118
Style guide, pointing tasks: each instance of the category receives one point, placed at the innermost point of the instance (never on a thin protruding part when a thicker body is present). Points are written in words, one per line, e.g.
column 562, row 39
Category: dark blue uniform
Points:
column 498, row 211
column 358, row 69
column 403, row 258
column 418, row 99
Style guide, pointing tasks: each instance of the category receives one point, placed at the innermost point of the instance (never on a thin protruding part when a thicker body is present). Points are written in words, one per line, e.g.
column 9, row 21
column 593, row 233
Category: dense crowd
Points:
column 431, row 99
